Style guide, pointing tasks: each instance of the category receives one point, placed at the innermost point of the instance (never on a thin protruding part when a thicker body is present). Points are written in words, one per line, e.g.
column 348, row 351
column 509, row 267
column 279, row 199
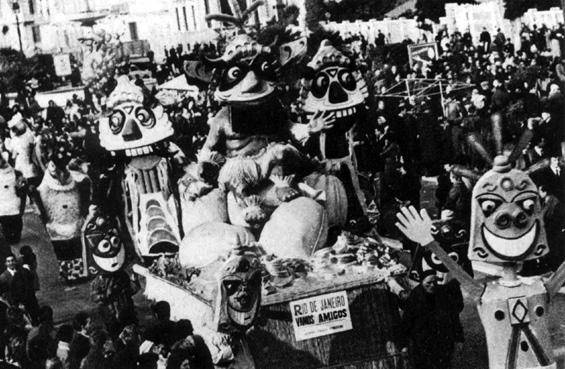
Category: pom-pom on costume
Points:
column 137, row 134
column 333, row 86
column 248, row 156
column 506, row 229
column 112, row 288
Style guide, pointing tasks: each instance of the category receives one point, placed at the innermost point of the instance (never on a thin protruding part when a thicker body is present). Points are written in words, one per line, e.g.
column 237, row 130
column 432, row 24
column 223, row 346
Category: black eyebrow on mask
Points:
column 525, row 193
column 489, row 195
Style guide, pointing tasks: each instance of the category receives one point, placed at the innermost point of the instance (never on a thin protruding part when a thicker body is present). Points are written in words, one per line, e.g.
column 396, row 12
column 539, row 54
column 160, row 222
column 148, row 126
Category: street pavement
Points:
column 67, row 301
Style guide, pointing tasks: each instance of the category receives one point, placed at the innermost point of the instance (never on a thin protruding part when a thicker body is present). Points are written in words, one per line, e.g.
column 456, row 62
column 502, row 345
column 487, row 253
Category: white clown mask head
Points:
column 131, row 126
column 333, row 85
column 506, row 217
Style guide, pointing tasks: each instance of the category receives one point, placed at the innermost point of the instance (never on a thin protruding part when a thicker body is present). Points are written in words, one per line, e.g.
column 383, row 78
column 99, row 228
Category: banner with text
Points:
column 62, row 64
column 320, row 315
column 423, row 54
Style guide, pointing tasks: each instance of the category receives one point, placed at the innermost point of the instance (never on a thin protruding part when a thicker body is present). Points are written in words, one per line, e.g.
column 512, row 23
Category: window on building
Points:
column 133, row 31
column 36, row 33
column 185, row 18
column 31, row 5
column 193, row 17
column 178, row 18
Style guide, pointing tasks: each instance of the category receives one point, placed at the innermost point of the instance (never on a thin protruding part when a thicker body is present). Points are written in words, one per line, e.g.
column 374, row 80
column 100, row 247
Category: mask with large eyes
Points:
column 106, row 248
column 507, row 222
column 332, row 84
column 239, row 293
column 247, row 81
column 453, row 237
column 132, row 127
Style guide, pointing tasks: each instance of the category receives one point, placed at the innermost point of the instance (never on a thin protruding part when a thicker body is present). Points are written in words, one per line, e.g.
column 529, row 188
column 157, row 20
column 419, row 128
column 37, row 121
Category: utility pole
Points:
column 16, row 9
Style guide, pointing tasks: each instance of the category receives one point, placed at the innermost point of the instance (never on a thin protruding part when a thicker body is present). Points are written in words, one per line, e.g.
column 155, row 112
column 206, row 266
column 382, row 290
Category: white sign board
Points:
column 62, row 64
column 320, row 315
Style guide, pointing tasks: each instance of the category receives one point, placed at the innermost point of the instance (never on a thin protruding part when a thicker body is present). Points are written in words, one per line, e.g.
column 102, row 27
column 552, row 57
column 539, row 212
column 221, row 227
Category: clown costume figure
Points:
column 63, row 203
column 506, row 229
column 21, row 146
column 112, row 288
column 13, row 189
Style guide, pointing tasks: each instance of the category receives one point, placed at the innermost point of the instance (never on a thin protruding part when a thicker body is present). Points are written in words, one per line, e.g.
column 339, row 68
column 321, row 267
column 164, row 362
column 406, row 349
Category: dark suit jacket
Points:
column 554, row 184
column 6, row 280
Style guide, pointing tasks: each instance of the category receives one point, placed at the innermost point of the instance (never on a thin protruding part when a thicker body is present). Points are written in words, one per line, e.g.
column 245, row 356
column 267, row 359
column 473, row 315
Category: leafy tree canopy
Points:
column 435, row 9
column 516, row 8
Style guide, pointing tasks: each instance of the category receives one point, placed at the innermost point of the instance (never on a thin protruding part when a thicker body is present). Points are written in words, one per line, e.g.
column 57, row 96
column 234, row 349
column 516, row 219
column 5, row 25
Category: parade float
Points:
column 306, row 299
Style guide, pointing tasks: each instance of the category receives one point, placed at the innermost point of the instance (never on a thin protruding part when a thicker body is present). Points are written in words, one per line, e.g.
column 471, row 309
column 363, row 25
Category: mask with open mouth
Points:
column 332, row 84
column 239, row 293
column 102, row 238
column 507, row 222
column 132, row 127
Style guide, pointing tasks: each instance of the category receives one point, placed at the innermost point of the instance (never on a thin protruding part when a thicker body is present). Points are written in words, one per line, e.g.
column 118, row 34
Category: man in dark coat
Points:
column 485, row 40
column 17, row 285
column 431, row 322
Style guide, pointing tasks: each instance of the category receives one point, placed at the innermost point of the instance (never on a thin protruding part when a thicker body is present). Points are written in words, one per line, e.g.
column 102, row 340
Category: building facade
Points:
column 53, row 26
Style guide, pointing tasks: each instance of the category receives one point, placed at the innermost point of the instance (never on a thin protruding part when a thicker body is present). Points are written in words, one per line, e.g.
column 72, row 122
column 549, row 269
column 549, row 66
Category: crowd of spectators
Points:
column 404, row 141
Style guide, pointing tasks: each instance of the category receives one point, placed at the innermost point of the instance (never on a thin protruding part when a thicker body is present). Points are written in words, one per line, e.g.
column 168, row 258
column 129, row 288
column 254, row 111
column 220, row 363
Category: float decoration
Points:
column 136, row 135
column 260, row 177
column 332, row 85
column 506, row 229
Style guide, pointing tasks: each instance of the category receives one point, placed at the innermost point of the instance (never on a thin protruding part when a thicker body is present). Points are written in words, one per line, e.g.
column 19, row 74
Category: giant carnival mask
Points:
column 333, row 85
column 131, row 126
column 506, row 217
column 246, row 72
column 507, row 222
column 239, row 292
column 102, row 239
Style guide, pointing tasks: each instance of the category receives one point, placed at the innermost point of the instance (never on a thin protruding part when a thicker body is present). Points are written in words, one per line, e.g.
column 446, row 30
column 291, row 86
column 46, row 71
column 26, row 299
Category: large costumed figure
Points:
column 507, row 229
column 334, row 86
column 112, row 288
column 136, row 134
column 63, row 202
column 249, row 182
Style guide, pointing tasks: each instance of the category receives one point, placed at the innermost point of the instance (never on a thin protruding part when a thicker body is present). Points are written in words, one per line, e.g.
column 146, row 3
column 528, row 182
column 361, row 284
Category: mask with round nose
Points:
column 333, row 84
column 507, row 222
